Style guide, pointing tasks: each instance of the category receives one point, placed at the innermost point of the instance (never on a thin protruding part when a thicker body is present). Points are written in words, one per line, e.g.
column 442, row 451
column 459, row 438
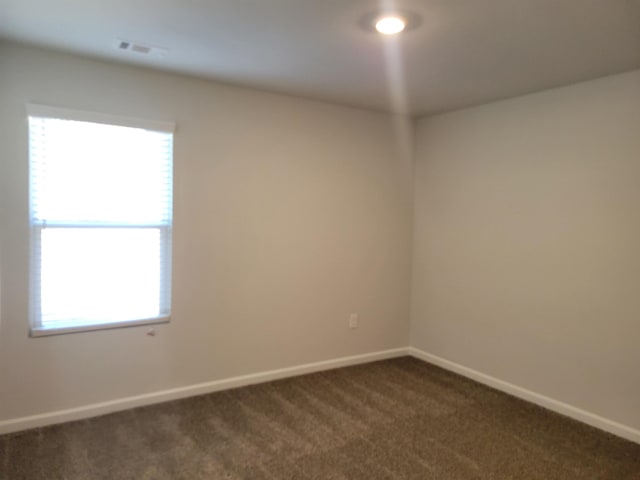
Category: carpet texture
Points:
column 395, row 419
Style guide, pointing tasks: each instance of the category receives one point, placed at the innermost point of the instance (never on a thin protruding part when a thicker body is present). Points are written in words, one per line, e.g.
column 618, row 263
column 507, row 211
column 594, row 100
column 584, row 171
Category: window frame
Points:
column 36, row 329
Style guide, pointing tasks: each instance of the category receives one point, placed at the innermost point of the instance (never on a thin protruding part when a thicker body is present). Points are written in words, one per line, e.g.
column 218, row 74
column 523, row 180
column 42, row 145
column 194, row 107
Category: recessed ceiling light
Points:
column 390, row 25
column 390, row 22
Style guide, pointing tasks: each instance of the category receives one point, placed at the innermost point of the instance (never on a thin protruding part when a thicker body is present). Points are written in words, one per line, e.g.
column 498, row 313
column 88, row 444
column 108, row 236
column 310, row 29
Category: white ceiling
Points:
column 465, row 52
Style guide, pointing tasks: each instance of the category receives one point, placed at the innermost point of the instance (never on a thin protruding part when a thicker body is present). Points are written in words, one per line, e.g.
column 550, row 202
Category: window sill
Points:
column 46, row 332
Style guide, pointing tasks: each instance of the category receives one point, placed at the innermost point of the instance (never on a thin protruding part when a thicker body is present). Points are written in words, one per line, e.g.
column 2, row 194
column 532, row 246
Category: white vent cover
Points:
column 139, row 48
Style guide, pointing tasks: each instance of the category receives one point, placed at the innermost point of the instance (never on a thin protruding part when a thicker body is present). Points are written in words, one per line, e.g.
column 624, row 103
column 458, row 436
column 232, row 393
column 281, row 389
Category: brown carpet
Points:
column 396, row 419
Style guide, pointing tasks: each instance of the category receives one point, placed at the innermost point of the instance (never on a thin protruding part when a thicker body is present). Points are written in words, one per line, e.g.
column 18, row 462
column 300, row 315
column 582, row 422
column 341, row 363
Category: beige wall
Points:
column 289, row 215
column 527, row 243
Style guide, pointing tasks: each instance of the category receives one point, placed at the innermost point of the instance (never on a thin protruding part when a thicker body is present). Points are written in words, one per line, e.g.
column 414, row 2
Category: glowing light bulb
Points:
column 390, row 25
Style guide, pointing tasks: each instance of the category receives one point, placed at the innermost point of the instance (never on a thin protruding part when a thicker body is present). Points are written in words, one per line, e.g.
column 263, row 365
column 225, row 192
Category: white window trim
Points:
column 35, row 332
column 46, row 111
column 36, row 110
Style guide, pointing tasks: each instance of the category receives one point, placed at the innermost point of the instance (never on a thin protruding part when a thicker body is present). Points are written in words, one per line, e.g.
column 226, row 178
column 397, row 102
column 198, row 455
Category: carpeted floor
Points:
column 396, row 419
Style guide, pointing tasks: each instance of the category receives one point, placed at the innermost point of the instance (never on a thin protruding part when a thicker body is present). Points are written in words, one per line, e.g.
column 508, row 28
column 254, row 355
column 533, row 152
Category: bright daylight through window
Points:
column 101, row 220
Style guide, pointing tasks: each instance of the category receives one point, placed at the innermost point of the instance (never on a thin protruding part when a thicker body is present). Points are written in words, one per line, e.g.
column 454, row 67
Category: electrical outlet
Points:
column 353, row 320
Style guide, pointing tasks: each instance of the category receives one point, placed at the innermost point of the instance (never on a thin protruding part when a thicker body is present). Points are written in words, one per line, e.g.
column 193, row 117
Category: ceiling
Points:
column 465, row 52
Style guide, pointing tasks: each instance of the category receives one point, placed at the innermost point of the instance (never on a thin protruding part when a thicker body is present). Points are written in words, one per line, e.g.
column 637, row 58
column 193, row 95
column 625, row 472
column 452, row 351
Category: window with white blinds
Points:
column 101, row 220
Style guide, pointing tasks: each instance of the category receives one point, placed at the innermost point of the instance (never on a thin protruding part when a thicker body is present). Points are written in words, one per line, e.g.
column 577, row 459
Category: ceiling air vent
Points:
column 140, row 48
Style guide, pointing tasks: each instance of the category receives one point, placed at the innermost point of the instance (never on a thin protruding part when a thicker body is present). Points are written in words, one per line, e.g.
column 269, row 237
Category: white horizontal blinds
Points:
column 101, row 217
column 90, row 173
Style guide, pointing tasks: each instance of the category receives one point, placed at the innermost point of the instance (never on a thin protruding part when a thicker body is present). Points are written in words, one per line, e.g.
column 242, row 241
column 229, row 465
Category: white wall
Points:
column 289, row 215
column 527, row 243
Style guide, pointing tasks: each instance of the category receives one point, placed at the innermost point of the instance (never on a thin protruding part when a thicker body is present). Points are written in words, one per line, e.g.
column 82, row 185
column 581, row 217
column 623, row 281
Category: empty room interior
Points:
column 308, row 239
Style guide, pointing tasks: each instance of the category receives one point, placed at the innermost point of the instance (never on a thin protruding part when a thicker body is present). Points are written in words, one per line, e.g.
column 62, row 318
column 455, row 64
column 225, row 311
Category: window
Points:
column 101, row 220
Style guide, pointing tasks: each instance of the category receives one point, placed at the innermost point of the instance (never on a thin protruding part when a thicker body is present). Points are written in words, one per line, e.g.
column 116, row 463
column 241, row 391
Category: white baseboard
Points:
column 557, row 406
column 95, row 409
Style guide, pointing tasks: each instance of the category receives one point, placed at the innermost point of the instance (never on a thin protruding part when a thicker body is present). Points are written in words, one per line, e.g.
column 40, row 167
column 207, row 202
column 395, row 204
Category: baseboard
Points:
column 557, row 406
column 96, row 409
